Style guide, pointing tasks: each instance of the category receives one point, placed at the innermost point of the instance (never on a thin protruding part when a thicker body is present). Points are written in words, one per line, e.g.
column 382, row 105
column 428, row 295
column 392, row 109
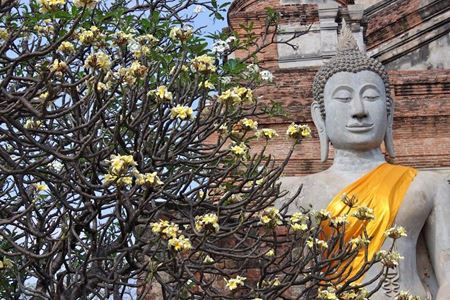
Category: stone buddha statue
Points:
column 353, row 111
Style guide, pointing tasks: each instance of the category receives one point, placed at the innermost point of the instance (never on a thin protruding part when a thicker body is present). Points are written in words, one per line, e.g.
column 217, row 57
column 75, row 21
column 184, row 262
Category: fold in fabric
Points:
column 383, row 190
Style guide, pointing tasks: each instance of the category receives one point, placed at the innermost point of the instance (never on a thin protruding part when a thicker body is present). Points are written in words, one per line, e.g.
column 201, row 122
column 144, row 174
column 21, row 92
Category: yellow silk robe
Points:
column 382, row 190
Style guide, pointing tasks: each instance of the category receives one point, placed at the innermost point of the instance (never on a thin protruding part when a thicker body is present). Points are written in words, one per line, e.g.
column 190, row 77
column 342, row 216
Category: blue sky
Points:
column 212, row 25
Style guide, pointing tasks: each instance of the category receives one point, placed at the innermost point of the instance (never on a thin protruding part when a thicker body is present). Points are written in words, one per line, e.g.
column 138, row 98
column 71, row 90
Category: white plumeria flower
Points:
column 230, row 39
column 199, row 9
column 253, row 68
column 266, row 75
column 134, row 46
column 225, row 79
column 56, row 165
column 220, row 47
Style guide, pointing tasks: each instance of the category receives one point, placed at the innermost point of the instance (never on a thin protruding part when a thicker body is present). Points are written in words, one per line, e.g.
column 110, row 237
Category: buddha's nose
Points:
column 358, row 111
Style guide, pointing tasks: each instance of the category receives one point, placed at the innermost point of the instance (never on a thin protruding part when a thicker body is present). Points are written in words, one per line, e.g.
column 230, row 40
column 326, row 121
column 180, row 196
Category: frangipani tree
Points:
column 126, row 162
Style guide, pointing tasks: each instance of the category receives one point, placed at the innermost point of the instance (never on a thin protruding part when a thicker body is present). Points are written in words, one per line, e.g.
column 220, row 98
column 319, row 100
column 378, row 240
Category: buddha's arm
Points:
column 438, row 237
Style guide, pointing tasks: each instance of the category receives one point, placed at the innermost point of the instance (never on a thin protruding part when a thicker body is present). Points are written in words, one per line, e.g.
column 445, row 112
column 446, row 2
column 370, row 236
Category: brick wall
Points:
column 386, row 22
column 422, row 98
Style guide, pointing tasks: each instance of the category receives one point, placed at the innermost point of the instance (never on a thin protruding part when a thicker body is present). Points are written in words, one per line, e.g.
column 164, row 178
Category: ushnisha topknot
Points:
column 348, row 59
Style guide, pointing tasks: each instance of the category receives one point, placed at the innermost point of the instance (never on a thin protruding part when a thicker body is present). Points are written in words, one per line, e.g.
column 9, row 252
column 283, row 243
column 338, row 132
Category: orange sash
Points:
column 382, row 190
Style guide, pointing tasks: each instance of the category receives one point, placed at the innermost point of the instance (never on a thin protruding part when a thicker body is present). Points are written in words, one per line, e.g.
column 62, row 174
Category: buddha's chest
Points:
column 414, row 209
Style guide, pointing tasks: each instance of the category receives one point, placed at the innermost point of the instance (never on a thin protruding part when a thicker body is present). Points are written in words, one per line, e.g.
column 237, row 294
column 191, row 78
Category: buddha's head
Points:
column 352, row 106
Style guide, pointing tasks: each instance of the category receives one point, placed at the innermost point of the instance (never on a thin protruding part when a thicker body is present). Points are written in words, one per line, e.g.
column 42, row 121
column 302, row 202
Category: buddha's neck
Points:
column 357, row 161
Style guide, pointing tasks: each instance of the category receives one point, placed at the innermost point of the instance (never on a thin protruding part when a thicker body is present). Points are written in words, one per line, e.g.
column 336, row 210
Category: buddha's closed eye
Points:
column 343, row 95
column 370, row 95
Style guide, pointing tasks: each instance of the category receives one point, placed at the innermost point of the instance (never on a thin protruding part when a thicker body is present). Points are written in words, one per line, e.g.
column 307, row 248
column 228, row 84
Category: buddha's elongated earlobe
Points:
column 320, row 125
column 388, row 137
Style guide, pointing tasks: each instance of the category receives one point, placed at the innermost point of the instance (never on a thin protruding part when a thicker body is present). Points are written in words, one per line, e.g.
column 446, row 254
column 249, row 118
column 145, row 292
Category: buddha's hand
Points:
column 444, row 291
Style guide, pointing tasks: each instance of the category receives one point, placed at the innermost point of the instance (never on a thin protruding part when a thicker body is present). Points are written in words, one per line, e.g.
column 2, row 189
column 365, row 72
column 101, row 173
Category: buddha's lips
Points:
column 359, row 127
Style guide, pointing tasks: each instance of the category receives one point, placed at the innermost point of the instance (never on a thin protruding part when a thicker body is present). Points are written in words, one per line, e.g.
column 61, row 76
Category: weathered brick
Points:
column 422, row 101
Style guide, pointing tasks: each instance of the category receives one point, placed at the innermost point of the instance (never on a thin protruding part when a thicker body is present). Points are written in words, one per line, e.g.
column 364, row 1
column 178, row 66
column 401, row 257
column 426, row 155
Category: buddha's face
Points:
column 355, row 108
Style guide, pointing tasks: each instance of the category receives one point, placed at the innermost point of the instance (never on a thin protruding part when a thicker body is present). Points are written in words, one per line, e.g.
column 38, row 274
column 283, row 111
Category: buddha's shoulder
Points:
column 429, row 181
column 430, row 176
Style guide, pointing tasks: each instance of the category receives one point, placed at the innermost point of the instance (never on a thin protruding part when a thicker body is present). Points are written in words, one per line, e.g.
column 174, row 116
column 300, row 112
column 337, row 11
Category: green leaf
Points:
column 218, row 16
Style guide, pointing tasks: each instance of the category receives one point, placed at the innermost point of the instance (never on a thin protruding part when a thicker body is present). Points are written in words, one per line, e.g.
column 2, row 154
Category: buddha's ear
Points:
column 388, row 137
column 320, row 125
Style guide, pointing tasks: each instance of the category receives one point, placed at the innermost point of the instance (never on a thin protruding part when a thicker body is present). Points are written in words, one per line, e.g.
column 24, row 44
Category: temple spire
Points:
column 346, row 39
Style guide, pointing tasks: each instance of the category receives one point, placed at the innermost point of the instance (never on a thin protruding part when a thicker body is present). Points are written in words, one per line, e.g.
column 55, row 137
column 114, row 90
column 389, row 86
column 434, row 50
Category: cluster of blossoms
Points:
column 39, row 187
column 364, row 213
column 32, row 124
column 85, row 3
column 234, row 198
column 322, row 215
column 3, row 34
column 57, row 165
column 206, row 85
column 267, row 283
column 395, row 232
column 359, row 242
column 161, row 93
column 293, row 131
column 43, row 97
column 208, row 260
column 254, row 70
column 121, row 169
column 404, row 295
column 180, row 34
column 239, row 149
column 270, row 217
column 203, row 64
column 298, row 131
column 266, row 75
column 183, row 68
column 237, row 96
column 119, row 165
column 389, row 258
column 299, row 222
column 140, row 41
column 139, row 50
column 356, row 294
column 45, row 28
column 234, row 283
column 181, row 112
column 98, row 60
column 149, row 179
column 339, row 221
column 66, row 47
column 221, row 46
column 249, row 124
column 130, row 74
column 98, row 85
column 207, row 222
column 198, row 9
column 311, row 242
column 270, row 253
column 139, row 45
column 266, row 133
column 90, row 36
column 50, row 5
column 172, row 233
column 6, row 263
column 58, row 67
column 123, row 38
column 328, row 294
column 361, row 294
